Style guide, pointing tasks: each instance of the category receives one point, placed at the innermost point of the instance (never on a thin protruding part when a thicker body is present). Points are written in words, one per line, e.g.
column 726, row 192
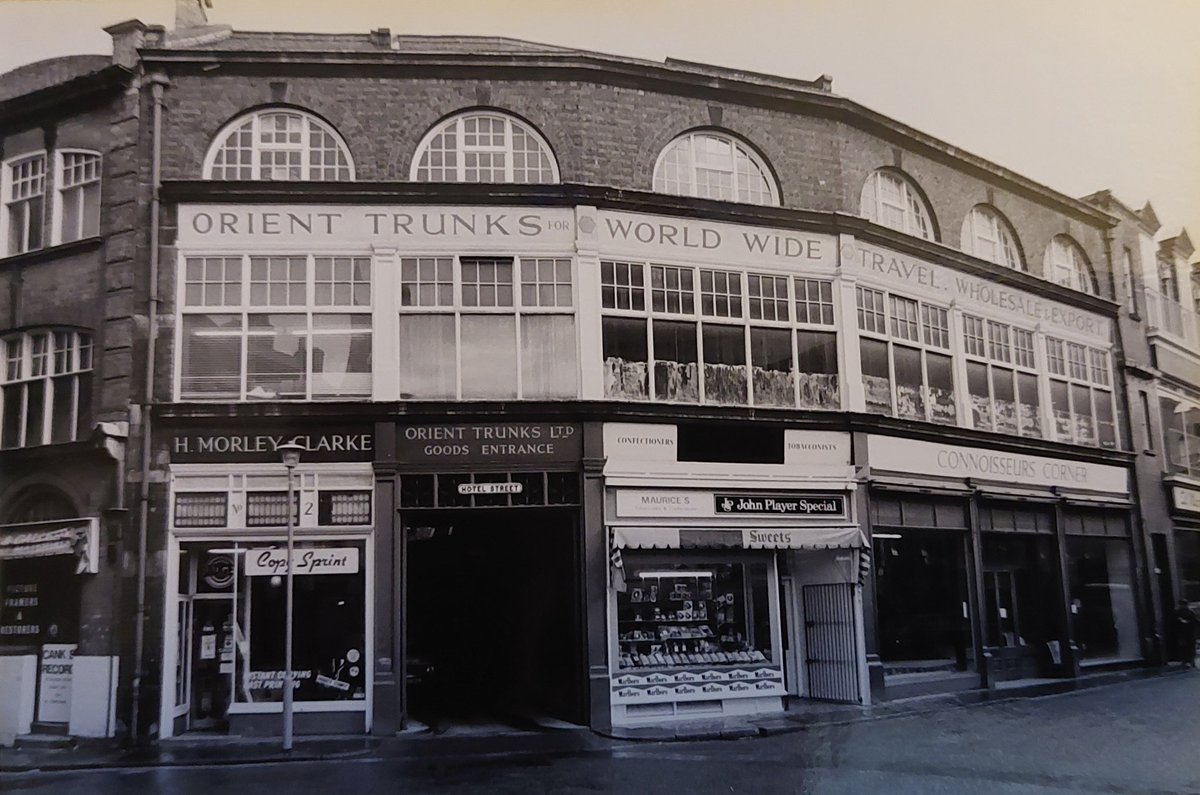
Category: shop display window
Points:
column 1102, row 601
column 675, row 614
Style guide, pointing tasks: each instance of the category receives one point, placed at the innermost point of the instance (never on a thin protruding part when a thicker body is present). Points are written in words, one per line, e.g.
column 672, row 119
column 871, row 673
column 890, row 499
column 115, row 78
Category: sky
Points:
column 1079, row 95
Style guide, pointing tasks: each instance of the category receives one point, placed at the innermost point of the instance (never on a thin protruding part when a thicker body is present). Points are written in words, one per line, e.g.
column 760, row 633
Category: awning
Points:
column 824, row 537
column 78, row 537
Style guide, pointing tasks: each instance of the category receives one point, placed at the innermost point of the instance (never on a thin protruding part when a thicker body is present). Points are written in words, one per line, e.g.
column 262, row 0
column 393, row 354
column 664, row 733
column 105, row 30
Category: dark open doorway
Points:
column 494, row 630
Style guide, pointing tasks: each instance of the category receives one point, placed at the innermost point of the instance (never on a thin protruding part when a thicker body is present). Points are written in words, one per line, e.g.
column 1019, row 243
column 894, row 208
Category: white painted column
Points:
column 588, row 304
column 854, row 394
column 385, row 323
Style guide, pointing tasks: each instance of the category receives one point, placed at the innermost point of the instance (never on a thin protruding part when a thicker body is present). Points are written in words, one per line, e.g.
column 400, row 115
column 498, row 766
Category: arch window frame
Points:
column 700, row 162
column 985, row 226
column 246, row 147
column 1067, row 265
column 460, row 144
column 24, row 180
column 77, row 191
column 904, row 209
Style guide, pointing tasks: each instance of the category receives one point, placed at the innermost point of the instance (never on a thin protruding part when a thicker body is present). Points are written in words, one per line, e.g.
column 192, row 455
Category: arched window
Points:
column 988, row 235
column 40, row 504
column 713, row 165
column 890, row 200
column 279, row 145
column 1066, row 265
column 484, row 146
column 46, row 390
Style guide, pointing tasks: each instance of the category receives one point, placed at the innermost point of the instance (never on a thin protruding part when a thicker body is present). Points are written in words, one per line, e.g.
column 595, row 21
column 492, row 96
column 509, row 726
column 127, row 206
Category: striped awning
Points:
column 823, row 537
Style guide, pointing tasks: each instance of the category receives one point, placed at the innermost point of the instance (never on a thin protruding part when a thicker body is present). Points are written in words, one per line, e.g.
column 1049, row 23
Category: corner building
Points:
column 631, row 392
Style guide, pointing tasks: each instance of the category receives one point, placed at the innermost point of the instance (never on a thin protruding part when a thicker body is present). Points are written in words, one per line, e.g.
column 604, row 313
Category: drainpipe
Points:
column 157, row 84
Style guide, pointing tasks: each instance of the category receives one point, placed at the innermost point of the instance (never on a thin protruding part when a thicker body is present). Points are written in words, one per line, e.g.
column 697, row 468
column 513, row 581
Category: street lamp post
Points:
column 291, row 457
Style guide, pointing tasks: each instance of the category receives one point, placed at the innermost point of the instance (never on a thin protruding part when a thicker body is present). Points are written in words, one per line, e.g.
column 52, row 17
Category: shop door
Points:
column 831, row 644
column 791, row 650
column 212, row 664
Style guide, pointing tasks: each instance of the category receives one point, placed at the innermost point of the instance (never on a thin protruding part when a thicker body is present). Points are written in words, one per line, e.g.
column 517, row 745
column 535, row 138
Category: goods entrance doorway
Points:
column 493, row 617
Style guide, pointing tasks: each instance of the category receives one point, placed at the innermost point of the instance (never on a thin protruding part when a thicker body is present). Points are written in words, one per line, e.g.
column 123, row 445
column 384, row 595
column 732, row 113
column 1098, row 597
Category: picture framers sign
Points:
column 944, row 460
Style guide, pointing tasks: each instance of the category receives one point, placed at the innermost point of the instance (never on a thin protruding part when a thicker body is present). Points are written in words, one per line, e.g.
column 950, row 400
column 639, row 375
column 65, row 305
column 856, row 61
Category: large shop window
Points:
column 1081, row 394
column 275, row 328
column 276, row 145
column 1100, row 578
column 1002, row 377
column 714, row 165
column 690, row 335
column 1181, row 435
column 487, row 328
column 905, row 343
column 246, row 580
column 46, row 396
column 675, row 613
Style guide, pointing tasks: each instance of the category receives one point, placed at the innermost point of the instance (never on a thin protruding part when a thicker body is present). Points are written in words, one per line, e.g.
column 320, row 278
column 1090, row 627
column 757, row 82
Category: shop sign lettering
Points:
column 505, row 443
column 490, row 488
column 19, row 611
column 972, row 291
column 780, row 504
column 1186, row 499
column 328, row 560
column 329, row 445
column 932, row 458
column 655, row 502
column 54, row 682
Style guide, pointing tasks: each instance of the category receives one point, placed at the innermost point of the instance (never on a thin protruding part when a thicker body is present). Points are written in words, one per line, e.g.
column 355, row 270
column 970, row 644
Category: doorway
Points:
column 494, row 617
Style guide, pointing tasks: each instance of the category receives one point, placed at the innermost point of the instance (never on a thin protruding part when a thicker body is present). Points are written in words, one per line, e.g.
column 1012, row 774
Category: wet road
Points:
column 1137, row 737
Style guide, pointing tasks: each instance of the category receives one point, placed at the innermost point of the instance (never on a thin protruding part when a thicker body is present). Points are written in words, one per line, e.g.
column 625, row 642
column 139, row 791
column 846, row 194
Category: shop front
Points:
column 224, row 659
column 43, row 568
column 732, row 584
column 993, row 565
column 489, row 544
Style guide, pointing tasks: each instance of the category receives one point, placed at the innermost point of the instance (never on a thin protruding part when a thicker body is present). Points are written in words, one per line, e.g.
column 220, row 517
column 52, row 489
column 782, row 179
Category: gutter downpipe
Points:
column 157, row 84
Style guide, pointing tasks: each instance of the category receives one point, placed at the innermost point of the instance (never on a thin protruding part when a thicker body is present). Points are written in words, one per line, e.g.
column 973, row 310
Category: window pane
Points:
column 1085, row 424
column 276, row 357
column 10, row 435
column 341, row 355
column 1106, row 428
column 724, row 364
column 35, row 412
column 877, row 380
column 910, row 399
column 977, row 388
column 816, row 361
column 626, row 359
column 84, row 408
column 426, row 357
column 548, row 363
column 1004, row 400
column 676, row 368
column 1027, row 392
column 489, row 356
column 62, row 414
column 941, row 389
column 771, row 357
column 1060, row 403
column 211, row 357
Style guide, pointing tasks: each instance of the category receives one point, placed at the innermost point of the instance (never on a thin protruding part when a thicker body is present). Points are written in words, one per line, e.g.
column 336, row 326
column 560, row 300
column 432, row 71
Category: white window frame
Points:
column 75, row 192
column 54, row 364
column 985, row 225
column 254, row 118
column 741, row 153
column 923, row 343
column 743, row 320
column 993, row 358
column 454, row 126
column 1099, row 389
column 916, row 218
column 1066, row 264
column 244, row 307
column 518, row 309
column 8, row 185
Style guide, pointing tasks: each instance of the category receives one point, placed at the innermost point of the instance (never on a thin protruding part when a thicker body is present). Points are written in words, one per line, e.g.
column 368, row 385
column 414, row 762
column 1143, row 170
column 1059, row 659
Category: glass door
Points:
column 212, row 663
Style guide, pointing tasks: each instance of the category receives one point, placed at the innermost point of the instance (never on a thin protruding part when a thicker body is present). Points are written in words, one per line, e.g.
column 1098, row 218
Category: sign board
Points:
column 663, row 502
column 634, row 441
column 19, row 611
column 782, row 504
column 1186, row 499
column 326, row 560
column 944, row 460
column 490, row 488
column 55, row 673
column 972, row 293
column 409, row 228
column 816, row 448
column 259, row 445
column 510, row 444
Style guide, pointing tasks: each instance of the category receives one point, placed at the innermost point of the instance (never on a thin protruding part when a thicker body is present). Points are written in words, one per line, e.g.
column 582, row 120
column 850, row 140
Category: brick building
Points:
column 628, row 392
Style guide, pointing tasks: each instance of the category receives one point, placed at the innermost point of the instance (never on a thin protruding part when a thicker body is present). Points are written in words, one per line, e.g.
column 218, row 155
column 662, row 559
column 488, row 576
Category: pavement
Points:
column 556, row 739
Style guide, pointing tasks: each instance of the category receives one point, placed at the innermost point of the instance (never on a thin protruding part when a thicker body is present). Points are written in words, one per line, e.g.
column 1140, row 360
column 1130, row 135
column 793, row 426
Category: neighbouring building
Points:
column 629, row 392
